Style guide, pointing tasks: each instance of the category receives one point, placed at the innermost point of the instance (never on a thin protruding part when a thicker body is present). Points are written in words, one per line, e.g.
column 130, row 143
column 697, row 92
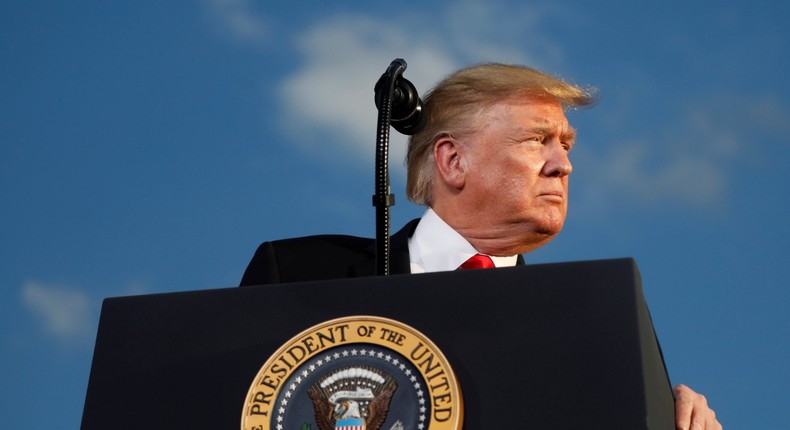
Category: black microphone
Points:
column 407, row 114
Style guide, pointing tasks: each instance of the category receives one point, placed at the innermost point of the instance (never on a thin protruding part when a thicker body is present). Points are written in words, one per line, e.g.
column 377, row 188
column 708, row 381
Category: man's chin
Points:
column 525, row 242
column 516, row 238
column 542, row 233
column 534, row 242
column 549, row 228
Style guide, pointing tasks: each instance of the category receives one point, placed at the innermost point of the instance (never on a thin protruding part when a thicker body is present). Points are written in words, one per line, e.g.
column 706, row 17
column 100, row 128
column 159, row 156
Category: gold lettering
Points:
column 439, row 373
column 444, row 384
column 279, row 371
column 443, row 399
column 308, row 343
column 323, row 338
column 419, row 347
column 392, row 336
column 428, row 363
column 442, row 414
column 342, row 330
column 260, row 397
column 286, row 362
column 267, row 381
column 256, row 410
column 293, row 353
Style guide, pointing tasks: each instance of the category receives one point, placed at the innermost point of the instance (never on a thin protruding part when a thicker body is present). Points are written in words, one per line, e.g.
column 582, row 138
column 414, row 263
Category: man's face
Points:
column 517, row 171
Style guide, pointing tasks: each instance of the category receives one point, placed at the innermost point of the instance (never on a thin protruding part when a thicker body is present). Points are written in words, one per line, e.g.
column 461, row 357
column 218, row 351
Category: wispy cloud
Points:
column 636, row 171
column 691, row 161
column 329, row 101
column 237, row 19
column 65, row 313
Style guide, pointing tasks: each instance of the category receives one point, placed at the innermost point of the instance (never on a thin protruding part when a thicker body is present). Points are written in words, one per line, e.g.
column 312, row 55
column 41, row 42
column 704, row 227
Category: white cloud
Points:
column 64, row 312
column 771, row 113
column 328, row 103
column 689, row 162
column 638, row 172
column 237, row 19
column 506, row 32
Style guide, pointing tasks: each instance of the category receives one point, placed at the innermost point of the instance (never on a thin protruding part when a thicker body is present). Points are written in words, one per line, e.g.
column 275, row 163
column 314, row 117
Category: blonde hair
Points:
column 455, row 105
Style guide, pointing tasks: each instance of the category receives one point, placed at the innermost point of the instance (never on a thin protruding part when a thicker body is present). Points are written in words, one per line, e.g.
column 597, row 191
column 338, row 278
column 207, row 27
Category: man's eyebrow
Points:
column 569, row 135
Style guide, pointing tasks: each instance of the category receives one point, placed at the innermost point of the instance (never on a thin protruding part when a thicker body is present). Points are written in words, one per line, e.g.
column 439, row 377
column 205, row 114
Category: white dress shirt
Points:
column 436, row 247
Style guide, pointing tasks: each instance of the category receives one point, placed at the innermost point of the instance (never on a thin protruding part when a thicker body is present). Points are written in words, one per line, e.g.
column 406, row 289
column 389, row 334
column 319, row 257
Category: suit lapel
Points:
column 400, row 262
column 399, row 254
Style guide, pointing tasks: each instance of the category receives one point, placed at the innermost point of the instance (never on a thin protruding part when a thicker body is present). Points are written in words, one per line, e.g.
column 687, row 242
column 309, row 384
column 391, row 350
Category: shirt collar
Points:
column 436, row 247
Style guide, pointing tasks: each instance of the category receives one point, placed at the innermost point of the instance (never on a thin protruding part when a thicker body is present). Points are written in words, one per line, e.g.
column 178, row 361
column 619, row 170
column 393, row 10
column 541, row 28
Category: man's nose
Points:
column 557, row 162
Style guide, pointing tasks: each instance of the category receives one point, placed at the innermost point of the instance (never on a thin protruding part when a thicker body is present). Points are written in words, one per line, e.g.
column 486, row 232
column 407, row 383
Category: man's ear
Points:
column 450, row 164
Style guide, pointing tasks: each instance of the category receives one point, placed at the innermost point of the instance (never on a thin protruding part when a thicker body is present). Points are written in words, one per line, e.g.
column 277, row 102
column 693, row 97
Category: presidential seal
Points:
column 355, row 373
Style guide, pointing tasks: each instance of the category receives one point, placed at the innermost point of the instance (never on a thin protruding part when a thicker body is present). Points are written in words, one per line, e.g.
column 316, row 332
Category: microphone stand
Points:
column 391, row 90
column 383, row 199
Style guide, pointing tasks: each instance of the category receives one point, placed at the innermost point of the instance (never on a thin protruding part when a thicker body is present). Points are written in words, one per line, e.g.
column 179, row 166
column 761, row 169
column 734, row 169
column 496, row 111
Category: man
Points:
column 492, row 166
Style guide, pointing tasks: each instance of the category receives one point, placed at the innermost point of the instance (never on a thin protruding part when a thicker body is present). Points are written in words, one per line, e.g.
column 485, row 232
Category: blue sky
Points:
column 148, row 147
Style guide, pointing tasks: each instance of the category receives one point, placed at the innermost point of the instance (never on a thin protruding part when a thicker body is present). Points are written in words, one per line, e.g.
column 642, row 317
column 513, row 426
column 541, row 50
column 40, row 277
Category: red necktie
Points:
column 478, row 261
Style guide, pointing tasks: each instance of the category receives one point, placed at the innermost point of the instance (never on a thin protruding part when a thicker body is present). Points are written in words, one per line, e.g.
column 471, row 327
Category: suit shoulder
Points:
column 308, row 258
column 324, row 242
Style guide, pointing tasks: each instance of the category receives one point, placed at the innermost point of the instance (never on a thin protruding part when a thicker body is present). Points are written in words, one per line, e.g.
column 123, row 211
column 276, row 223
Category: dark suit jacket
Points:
column 317, row 258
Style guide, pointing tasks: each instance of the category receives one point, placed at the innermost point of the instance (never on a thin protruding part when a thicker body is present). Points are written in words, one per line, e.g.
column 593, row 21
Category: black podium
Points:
column 554, row 346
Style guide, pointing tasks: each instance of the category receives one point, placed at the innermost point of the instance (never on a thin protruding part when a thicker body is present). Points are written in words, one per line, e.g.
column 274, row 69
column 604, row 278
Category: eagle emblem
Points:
column 352, row 398
column 355, row 373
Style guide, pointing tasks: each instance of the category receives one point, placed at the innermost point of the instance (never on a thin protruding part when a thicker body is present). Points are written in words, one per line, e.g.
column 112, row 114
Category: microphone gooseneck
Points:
column 399, row 106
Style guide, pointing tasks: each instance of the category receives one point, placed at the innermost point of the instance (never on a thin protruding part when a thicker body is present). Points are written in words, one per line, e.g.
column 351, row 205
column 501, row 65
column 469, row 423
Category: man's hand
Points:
column 692, row 411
